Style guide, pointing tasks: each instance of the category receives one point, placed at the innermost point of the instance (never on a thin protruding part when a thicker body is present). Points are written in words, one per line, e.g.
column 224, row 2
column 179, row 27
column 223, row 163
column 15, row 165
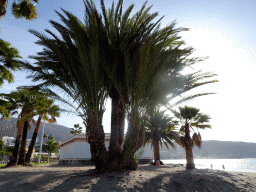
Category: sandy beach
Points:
column 146, row 178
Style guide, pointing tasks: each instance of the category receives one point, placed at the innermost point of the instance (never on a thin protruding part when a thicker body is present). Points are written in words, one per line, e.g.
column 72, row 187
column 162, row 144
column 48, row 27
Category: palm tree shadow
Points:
column 93, row 181
column 192, row 180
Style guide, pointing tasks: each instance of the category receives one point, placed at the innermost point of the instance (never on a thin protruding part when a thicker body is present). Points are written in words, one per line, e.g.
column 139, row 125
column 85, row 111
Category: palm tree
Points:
column 118, row 57
column 81, row 82
column 44, row 109
column 160, row 128
column 81, row 74
column 26, row 99
column 23, row 9
column 76, row 130
column 8, row 61
column 190, row 117
column 51, row 145
column 137, row 54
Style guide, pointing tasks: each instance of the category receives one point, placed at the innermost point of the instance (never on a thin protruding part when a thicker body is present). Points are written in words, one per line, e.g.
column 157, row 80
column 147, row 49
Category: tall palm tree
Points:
column 44, row 109
column 118, row 57
column 8, row 61
column 138, row 53
column 83, row 81
column 82, row 75
column 190, row 117
column 160, row 129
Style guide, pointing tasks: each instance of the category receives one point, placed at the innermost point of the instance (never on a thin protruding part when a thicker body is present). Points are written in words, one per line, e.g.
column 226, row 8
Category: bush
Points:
column 43, row 157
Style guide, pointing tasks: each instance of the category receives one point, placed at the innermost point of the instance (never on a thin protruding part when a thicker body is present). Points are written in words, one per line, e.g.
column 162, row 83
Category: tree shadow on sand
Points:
column 200, row 180
column 180, row 180
column 32, row 180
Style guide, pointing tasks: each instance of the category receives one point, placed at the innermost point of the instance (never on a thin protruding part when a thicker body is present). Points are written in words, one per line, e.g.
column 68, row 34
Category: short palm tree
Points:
column 190, row 117
column 51, row 145
column 160, row 129
column 76, row 130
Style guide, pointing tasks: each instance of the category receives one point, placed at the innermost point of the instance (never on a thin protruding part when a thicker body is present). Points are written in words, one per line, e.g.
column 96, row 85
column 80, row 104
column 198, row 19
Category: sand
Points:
column 146, row 178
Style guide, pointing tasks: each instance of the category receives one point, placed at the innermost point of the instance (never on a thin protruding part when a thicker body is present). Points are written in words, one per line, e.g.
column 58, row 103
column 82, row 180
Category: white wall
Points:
column 67, row 151
column 148, row 152
column 77, row 150
column 81, row 150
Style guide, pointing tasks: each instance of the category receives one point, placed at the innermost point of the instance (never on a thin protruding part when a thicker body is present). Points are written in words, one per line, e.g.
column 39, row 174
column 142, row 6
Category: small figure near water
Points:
column 211, row 166
column 223, row 166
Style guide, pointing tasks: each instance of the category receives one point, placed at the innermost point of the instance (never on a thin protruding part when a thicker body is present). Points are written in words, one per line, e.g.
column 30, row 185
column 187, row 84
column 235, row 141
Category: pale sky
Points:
column 224, row 30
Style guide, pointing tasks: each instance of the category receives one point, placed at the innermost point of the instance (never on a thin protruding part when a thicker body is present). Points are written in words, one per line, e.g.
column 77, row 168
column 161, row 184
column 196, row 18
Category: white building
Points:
column 76, row 150
column 8, row 141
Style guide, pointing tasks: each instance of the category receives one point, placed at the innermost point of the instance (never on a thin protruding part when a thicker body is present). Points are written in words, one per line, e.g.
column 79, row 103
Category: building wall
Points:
column 67, row 151
column 8, row 130
column 77, row 150
column 148, row 152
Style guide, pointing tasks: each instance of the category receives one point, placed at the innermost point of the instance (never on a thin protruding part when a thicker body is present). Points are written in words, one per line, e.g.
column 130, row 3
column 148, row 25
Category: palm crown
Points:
column 160, row 128
column 190, row 117
column 76, row 130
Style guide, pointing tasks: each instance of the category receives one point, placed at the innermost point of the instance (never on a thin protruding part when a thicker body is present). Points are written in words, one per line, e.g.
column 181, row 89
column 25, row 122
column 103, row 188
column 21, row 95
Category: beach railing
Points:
column 4, row 162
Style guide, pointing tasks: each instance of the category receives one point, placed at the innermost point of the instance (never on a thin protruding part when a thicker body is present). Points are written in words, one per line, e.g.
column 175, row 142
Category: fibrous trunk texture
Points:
column 156, row 151
column 134, row 140
column 14, row 157
column 117, row 131
column 33, row 141
column 96, row 139
column 188, row 147
column 23, row 144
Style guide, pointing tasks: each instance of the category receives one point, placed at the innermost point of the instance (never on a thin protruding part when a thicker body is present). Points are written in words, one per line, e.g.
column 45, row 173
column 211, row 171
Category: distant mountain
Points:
column 209, row 149
column 214, row 149
column 61, row 133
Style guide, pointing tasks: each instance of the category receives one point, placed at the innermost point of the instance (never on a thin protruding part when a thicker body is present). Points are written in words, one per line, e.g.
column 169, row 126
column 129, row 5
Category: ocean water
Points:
column 239, row 165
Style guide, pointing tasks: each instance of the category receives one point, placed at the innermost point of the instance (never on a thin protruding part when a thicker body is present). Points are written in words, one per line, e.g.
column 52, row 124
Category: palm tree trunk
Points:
column 96, row 138
column 134, row 140
column 23, row 144
column 117, row 124
column 33, row 141
column 156, row 151
column 14, row 157
column 188, row 147
column 121, row 127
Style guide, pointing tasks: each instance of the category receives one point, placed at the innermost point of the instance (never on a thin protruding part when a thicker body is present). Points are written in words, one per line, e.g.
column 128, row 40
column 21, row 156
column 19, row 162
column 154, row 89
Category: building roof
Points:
column 80, row 137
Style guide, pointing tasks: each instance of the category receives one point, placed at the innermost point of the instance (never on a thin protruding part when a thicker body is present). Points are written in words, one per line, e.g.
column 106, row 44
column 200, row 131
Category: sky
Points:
column 224, row 30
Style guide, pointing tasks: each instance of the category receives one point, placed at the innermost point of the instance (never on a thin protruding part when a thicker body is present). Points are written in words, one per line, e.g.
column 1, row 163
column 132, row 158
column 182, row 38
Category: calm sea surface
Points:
column 239, row 165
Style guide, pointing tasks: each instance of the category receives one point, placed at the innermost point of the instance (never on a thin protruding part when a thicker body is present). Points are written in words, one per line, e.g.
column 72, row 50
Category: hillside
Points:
column 61, row 133
column 209, row 149
column 214, row 149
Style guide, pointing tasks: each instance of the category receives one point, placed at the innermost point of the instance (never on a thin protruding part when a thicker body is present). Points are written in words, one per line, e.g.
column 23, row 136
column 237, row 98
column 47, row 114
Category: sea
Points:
column 238, row 165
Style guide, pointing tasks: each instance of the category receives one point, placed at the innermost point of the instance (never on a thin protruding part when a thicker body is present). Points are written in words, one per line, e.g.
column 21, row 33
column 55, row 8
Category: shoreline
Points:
column 169, row 177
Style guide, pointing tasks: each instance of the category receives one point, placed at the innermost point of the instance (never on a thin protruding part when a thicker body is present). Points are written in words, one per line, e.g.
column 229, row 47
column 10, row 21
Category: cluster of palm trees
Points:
column 127, row 59
column 30, row 103
column 161, row 128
